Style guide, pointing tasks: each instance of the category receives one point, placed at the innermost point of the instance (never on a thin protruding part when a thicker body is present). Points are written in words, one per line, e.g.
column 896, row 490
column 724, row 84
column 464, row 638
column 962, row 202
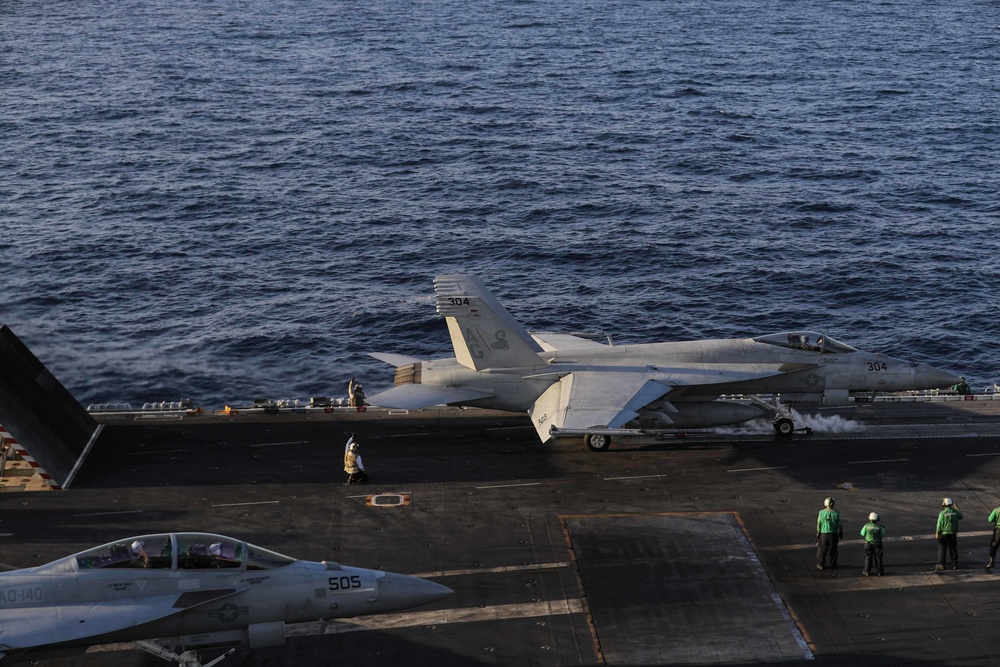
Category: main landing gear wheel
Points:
column 597, row 442
column 783, row 427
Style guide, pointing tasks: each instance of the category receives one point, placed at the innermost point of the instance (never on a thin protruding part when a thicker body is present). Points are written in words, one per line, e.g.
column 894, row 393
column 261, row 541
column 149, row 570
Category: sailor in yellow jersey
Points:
column 355, row 394
column 353, row 465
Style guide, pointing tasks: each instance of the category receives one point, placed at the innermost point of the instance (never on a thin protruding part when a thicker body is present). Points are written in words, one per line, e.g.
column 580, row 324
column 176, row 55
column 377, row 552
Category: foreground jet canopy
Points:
column 572, row 385
column 204, row 589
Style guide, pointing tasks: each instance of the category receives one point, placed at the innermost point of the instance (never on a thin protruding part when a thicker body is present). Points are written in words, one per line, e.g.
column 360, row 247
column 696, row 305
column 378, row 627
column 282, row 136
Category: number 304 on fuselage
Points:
column 571, row 383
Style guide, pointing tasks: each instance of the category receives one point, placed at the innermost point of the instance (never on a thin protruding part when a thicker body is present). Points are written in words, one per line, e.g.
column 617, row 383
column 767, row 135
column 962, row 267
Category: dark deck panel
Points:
column 680, row 589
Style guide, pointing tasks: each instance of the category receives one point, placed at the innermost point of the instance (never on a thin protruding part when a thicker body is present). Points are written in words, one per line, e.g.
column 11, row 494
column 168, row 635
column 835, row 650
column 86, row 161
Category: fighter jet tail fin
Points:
column 483, row 333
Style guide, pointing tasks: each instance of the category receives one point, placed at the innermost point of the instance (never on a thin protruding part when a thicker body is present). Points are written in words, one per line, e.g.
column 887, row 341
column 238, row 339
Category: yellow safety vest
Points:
column 351, row 463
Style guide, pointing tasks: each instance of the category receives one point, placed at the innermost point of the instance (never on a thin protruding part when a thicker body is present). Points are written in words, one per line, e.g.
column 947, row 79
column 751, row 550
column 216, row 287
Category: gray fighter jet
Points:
column 198, row 589
column 575, row 385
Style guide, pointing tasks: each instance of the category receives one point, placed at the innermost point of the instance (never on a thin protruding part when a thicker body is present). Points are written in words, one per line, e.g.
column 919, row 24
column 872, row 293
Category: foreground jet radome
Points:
column 197, row 589
column 572, row 384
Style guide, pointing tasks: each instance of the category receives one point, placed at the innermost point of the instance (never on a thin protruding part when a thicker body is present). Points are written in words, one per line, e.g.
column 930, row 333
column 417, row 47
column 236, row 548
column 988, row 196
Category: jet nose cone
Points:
column 935, row 378
column 399, row 591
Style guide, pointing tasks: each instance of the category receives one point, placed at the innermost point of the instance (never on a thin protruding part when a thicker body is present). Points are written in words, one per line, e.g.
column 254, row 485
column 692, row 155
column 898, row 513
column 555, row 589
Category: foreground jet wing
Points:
column 415, row 396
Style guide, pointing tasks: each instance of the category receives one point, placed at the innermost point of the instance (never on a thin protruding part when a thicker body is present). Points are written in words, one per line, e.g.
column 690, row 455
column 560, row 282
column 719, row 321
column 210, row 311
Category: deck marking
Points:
column 753, row 469
column 897, row 538
column 850, row 463
column 506, row 486
column 912, row 579
column 990, row 454
column 276, row 444
column 412, row 619
column 262, row 502
column 491, row 570
column 440, row 617
column 609, row 479
column 110, row 513
column 383, row 500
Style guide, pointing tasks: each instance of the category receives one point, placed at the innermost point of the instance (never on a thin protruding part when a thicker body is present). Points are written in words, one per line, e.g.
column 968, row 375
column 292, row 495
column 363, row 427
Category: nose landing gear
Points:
column 783, row 426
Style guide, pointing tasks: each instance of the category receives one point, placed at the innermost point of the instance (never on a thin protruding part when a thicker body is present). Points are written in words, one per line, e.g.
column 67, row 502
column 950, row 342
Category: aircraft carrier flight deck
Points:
column 678, row 550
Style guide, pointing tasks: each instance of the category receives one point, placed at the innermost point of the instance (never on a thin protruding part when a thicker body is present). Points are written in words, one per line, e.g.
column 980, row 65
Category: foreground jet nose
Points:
column 399, row 591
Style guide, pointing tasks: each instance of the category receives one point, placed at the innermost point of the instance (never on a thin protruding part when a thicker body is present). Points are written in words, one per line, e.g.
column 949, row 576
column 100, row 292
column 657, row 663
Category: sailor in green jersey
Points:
column 995, row 542
column 947, row 533
column 828, row 532
column 873, row 532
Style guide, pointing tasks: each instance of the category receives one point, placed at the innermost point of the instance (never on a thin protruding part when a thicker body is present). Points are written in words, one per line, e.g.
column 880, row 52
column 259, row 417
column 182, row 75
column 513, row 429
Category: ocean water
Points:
column 226, row 200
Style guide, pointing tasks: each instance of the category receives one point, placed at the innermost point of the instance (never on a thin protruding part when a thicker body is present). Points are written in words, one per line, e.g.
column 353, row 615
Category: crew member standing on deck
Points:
column 356, row 395
column 829, row 531
column 873, row 532
column 353, row 465
column 995, row 542
column 947, row 533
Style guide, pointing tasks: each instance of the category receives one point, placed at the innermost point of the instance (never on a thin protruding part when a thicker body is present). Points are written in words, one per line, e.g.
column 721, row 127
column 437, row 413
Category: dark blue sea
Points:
column 226, row 200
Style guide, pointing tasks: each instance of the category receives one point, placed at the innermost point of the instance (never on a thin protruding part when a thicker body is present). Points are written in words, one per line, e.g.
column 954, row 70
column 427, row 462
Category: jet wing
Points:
column 594, row 399
column 550, row 342
column 414, row 396
column 26, row 628
column 396, row 360
column 611, row 398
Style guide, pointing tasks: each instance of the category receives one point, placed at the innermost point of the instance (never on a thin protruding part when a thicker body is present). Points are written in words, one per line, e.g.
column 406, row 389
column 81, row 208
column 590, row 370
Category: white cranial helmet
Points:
column 873, row 516
column 828, row 502
column 947, row 502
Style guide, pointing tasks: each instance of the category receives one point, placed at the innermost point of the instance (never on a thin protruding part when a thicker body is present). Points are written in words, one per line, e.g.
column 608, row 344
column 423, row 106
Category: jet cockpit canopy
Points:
column 176, row 551
column 806, row 340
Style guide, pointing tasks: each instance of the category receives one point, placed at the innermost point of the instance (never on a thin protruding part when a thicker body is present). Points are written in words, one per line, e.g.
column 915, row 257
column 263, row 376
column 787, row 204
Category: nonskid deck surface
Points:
column 694, row 550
